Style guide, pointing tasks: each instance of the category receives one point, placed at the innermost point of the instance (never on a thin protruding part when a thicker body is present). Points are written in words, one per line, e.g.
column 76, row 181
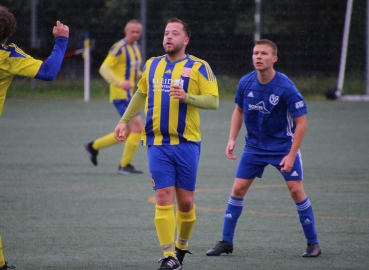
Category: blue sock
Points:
column 305, row 211
column 231, row 215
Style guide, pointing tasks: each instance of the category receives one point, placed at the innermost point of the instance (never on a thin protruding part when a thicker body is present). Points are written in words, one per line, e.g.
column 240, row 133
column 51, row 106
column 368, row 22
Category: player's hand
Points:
column 119, row 132
column 287, row 163
column 177, row 92
column 126, row 85
column 60, row 30
column 229, row 150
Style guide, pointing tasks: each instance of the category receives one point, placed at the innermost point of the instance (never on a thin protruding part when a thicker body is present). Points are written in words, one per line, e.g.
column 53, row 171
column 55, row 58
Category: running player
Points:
column 121, row 69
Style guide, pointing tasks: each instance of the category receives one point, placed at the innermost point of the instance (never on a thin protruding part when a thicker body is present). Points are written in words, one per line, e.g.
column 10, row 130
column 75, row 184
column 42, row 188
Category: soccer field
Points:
column 57, row 211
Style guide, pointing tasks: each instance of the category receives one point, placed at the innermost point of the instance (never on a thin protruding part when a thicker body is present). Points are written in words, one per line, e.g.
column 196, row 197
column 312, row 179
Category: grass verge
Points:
column 312, row 88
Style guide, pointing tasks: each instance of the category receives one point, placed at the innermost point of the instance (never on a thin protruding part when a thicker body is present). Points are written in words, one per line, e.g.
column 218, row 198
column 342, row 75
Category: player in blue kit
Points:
column 13, row 61
column 274, row 112
column 173, row 88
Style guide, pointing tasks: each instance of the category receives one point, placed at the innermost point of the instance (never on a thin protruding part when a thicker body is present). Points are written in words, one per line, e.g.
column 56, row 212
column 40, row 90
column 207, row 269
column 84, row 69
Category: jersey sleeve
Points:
column 239, row 94
column 111, row 60
column 22, row 64
column 50, row 68
column 295, row 102
column 143, row 83
column 207, row 81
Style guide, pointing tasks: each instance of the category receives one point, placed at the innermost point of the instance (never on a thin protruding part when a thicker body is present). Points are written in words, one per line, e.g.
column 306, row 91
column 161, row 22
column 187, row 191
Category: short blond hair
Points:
column 269, row 43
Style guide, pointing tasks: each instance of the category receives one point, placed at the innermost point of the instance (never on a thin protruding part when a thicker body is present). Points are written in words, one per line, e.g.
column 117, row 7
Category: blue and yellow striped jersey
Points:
column 125, row 61
column 169, row 121
column 13, row 61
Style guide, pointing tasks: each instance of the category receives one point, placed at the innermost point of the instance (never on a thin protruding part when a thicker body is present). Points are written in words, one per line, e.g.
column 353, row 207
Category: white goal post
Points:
column 339, row 93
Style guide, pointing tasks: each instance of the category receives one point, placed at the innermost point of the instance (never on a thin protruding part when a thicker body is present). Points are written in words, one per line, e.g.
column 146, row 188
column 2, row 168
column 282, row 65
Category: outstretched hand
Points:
column 60, row 30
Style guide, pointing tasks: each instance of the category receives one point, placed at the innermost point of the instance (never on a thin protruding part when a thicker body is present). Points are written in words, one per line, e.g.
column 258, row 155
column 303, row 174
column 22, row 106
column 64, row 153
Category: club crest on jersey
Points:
column 273, row 99
column 186, row 72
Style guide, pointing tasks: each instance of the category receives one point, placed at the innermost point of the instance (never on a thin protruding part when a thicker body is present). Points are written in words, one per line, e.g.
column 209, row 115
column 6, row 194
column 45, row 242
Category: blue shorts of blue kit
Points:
column 171, row 165
column 253, row 165
column 121, row 106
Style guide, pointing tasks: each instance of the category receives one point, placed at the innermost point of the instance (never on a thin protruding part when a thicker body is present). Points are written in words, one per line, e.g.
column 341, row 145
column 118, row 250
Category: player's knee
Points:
column 239, row 191
column 185, row 206
column 297, row 194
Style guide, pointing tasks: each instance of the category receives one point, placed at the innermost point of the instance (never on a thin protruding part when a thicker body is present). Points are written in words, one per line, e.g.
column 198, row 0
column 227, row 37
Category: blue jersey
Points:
column 269, row 110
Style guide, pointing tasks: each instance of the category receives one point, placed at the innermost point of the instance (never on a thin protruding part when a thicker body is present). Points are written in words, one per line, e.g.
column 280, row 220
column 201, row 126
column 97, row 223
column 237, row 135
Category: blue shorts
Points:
column 252, row 165
column 121, row 106
column 171, row 165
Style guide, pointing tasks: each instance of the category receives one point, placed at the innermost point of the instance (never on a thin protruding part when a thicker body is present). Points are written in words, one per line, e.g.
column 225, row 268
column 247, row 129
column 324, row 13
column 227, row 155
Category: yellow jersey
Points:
column 169, row 121
column 124, row 60
column 13, row 61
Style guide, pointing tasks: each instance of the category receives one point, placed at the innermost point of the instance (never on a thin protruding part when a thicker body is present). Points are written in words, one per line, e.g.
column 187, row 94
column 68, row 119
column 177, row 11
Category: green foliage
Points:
column 21, row 88
column 313, row 87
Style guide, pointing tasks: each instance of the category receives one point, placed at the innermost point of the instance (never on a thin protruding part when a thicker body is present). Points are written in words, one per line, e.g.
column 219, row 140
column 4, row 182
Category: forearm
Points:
column 135, row 105
column 298, row 137
column 50, row 68
column 297, row 142
column 207, row 102
column 107, row 73
column 236, row 124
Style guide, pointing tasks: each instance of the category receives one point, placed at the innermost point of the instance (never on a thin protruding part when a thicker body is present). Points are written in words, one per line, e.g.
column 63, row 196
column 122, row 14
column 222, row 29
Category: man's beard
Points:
column 173, row 51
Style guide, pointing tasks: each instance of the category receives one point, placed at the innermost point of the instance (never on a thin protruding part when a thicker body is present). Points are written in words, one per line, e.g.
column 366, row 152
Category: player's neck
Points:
column 265, row 76
column 175, row 57
column 129, row 41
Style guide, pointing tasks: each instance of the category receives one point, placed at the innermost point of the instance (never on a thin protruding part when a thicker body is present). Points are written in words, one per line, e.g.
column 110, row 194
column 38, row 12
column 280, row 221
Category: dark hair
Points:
column 269, row 43
column 186, row 28
column 7, row 23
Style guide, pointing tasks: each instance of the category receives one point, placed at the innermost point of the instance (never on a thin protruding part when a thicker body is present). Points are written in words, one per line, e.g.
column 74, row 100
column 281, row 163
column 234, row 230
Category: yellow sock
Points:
column 105, row 141
column 165, row 224
column 130, row 148
column 2, row 260
column 185, row 224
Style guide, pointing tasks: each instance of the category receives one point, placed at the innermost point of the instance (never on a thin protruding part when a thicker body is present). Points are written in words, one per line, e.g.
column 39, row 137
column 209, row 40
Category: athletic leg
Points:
column 231, row 215
column 165, row 222
column 303, row 206
column 249, row 167
column 132, row 142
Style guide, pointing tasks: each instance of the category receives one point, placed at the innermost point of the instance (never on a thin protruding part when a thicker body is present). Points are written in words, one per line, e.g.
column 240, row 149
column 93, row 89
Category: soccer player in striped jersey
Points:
column 273, row 111
column 121, row 69
column 13, row 61
column 173, row 88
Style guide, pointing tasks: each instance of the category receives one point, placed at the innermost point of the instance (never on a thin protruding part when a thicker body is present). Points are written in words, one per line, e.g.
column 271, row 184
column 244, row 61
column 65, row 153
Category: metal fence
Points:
column 308, row 33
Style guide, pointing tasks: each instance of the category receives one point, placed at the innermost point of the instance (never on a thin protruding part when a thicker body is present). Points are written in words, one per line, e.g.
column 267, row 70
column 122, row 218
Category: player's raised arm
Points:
column 50, row 68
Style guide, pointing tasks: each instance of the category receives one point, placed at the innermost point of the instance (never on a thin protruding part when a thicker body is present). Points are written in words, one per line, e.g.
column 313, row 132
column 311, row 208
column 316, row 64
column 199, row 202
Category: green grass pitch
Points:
column 57, row 211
